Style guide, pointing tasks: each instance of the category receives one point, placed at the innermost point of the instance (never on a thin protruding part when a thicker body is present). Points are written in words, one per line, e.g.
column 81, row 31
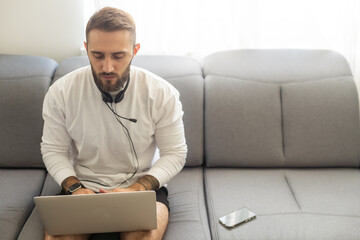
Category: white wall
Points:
column 50, row 28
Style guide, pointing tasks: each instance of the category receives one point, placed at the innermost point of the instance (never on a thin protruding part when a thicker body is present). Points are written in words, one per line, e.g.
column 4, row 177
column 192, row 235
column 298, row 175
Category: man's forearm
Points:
column 149, row 182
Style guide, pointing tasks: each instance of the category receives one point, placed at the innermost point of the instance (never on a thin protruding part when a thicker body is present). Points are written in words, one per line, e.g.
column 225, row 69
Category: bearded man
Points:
column 103, row 122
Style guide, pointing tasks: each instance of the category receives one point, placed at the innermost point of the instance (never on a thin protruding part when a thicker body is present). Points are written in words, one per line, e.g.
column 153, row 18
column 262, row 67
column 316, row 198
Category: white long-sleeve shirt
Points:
column 82, row 138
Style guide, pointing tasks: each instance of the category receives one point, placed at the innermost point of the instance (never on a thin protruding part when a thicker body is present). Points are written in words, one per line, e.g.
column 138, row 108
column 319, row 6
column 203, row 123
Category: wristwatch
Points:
column 74, row 187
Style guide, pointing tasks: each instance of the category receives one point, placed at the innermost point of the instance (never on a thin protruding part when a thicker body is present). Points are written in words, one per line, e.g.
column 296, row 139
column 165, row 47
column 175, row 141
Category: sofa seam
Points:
column 282, row 125
column 210, row 205
column 201, row 220
column 292, row 192
column 34, row 190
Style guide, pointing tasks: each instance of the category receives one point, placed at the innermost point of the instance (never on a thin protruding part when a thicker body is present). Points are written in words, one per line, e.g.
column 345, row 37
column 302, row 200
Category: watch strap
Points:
column 74, row 187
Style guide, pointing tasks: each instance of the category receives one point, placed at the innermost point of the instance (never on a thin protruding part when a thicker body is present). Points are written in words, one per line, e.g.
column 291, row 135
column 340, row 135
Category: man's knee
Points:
column 162, row 215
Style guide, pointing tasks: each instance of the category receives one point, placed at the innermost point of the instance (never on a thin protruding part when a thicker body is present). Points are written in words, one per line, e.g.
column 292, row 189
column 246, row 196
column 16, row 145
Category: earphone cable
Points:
column 132, row 147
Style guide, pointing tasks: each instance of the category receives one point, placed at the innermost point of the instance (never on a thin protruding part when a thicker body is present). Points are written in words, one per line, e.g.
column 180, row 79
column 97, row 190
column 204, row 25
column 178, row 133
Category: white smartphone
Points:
column 233, row 219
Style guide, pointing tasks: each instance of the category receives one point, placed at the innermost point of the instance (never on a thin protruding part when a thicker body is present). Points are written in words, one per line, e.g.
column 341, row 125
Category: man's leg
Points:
column 67, row 237
column 162, row 214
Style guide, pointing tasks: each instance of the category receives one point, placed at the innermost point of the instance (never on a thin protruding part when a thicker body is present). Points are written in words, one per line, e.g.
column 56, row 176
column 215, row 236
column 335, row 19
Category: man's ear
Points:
column 136, row 48
column 85, row 45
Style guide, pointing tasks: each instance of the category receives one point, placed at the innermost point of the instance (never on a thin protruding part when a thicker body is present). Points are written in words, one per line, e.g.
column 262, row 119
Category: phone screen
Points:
column 235, row 218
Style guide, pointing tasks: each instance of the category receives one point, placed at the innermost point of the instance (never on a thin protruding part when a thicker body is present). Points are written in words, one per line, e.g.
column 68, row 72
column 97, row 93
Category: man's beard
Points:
column 120, row 80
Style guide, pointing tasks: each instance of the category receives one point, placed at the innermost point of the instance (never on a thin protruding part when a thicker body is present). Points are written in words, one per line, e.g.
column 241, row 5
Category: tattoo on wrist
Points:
column 149, row 182
column 139, row 182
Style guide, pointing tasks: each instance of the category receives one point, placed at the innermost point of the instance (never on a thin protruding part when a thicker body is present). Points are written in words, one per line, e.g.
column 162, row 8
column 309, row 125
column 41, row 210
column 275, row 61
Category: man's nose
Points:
column 108, row 65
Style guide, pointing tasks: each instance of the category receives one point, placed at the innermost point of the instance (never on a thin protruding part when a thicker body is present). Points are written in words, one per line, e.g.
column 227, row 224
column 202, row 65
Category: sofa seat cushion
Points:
column 18, row 187
column 295, row 227
column 188, row 218
column 289, row 204
column 34, row 229
column 327, row 191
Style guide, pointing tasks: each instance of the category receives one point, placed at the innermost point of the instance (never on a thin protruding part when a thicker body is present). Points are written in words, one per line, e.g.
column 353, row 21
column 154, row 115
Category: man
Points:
column 103, row 122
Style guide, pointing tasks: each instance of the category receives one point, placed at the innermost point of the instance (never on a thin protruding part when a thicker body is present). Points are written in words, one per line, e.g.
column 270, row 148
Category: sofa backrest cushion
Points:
column 280, row 108
column 24, row 81
column 185, row 74
column 69, row 65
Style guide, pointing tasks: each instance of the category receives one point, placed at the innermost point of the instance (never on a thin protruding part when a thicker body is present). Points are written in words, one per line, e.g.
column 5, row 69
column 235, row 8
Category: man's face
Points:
column 110, row 55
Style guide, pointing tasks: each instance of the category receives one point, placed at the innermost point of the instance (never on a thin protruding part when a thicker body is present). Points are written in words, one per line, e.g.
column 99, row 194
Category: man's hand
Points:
column 133, row 188
column 83, row 191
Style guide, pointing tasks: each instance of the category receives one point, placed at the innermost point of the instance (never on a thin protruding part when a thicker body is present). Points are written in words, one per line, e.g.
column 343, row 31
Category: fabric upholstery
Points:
column 18, row 187
column 296, row 108
column 69, row 65
column 321, row 123
column 278, row 129
column 34, row 229
column 188, row 216
column 242, row 123
column 279, row 110
column 265, row 192
column 20, row 66
column 289, row 204
column 294, row 227
column 24, row 81
column 276, row 65
column 333, row 191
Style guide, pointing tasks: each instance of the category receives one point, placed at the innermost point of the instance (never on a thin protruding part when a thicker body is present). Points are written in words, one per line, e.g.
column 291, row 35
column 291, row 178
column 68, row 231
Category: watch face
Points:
column 74, row 187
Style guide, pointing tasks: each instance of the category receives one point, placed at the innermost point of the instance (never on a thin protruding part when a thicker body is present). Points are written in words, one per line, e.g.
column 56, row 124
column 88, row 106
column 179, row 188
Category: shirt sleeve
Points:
column 55, row 145
column 169, row 136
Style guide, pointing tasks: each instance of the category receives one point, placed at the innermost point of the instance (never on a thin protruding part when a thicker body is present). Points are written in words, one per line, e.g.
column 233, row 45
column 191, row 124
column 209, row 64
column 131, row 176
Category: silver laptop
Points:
column 98, row 213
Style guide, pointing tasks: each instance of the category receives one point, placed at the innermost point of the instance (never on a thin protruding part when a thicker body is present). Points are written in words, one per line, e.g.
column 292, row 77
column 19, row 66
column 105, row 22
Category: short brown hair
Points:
column 111, row 19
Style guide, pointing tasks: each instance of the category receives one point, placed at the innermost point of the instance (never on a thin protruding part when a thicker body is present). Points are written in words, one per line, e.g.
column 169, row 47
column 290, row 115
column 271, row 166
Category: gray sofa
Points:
column 276, row 131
